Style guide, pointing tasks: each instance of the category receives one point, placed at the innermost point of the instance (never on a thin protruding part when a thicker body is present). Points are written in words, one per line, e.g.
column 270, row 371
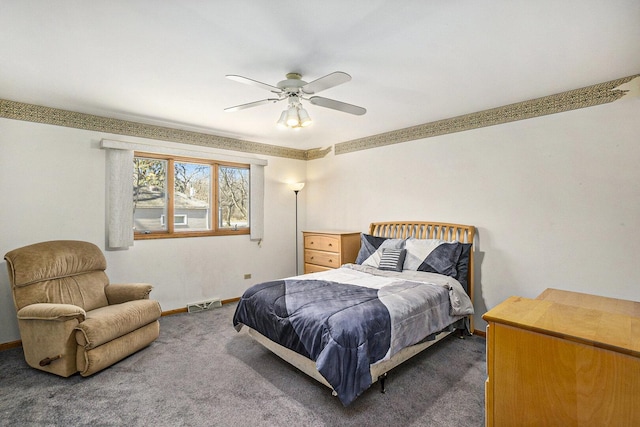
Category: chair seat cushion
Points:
column 113, row 321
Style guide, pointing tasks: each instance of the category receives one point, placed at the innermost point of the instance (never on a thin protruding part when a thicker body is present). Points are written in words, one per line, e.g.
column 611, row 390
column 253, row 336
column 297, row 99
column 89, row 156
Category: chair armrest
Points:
column 123, row 292
column 49, row 311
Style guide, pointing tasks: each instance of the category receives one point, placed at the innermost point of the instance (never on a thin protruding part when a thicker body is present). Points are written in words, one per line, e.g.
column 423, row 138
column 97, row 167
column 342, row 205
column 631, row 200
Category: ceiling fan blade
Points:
column 326, row 82
column 337, row 105
column 251, row 104
column 252, row 82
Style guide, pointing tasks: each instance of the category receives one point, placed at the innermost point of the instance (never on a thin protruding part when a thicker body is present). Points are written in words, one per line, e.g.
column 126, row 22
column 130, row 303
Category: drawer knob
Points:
column 330, row 244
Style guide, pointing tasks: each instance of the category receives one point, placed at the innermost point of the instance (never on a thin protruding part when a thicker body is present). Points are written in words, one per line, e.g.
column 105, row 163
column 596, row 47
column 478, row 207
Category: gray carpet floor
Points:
column 201, row 372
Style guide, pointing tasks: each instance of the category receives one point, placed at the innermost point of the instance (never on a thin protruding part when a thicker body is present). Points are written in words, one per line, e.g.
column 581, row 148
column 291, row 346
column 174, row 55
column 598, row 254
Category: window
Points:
column 204, row 197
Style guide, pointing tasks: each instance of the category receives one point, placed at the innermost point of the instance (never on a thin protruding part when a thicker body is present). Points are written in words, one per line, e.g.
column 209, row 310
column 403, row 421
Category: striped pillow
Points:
column 392, row 259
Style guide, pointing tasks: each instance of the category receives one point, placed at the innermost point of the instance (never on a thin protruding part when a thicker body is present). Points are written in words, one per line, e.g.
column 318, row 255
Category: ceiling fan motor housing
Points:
column 292, row 85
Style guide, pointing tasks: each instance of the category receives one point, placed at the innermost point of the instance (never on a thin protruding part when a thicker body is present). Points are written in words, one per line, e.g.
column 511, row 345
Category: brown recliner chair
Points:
column 70, row 318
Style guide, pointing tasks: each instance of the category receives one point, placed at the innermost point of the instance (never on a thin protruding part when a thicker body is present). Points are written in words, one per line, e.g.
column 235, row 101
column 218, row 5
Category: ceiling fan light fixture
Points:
column 292, row 117
column 305, row 120
column 282, row 121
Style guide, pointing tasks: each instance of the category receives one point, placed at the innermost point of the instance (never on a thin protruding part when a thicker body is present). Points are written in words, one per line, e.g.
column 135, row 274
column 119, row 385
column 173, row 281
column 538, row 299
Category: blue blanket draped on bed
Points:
column 323, row 321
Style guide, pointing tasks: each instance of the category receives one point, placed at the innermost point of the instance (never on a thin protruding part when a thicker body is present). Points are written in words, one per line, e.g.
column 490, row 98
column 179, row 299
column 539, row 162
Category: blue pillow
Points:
column 432, row 256
column 462, row 267
column 370, row 244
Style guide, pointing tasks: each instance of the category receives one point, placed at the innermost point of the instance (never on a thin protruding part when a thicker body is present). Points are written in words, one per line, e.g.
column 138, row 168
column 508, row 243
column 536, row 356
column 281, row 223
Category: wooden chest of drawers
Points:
column 324, row 250
column 565, row 359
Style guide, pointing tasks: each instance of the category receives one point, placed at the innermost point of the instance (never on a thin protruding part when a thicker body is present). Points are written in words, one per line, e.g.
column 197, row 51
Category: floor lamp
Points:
column 296, row 187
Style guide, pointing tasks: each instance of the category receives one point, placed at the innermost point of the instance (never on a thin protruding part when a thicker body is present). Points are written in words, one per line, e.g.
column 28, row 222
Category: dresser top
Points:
column 341, row 232
column 603, row 322
column 578, row 299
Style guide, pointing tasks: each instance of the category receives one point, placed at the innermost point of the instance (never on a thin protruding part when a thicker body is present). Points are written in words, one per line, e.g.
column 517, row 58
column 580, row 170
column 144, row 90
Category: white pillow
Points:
column 418, row 250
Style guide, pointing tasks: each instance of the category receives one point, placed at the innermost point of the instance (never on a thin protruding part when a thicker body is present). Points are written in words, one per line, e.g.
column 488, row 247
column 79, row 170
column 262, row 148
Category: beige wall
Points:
column 556, row 199
column 52, row 182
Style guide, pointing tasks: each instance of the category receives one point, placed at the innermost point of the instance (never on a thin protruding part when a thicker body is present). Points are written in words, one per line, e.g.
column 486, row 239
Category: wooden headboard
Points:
column 430, row 230
column 423, row 230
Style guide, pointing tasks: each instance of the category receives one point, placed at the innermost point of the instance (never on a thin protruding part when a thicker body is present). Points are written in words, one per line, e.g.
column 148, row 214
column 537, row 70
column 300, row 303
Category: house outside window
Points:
column 203, row 197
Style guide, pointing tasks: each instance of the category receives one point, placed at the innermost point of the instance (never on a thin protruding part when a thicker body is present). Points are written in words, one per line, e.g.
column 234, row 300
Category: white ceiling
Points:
column 412, row 61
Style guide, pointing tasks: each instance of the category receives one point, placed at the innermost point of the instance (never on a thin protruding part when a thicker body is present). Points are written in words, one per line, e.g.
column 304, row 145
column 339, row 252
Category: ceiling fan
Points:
column 294, row 89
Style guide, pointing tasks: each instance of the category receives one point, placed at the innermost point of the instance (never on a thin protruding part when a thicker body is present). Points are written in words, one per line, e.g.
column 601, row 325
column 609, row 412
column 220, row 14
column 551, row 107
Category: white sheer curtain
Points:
column 256, row 202
column 120, row 186
column 119, row 199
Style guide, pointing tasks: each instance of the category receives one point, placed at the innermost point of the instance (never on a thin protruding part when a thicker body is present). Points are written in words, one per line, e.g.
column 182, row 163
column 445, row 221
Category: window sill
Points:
column 161, row 235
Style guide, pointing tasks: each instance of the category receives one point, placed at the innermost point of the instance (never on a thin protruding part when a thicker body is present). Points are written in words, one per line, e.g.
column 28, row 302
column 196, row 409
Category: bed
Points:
column 411, row 286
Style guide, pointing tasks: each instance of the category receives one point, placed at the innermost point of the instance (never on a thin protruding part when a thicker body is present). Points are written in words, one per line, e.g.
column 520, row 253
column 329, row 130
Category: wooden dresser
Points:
column 324, row 250
column 563, row 359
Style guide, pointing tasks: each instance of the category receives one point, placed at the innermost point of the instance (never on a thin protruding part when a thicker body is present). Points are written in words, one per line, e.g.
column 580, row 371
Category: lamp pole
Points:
column 296, row 191
column 296, row 187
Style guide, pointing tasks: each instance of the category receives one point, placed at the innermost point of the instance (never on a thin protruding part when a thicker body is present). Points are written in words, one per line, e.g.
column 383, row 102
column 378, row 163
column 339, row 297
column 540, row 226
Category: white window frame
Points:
column 183, row 219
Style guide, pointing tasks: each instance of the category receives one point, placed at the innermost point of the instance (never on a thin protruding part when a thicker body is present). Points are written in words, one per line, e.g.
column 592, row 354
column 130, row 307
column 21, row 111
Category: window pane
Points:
column 233, row 197
column 149, row 194
column 192, row 197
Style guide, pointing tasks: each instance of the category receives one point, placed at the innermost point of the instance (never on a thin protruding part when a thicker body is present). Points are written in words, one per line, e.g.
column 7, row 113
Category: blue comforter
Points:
column 346, row 327
column 326, row 322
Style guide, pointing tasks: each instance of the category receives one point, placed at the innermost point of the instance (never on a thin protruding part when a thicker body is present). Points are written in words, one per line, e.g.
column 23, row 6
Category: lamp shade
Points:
column 282, row 121
column 296, row 186
column 305, row 120
column 292, row 117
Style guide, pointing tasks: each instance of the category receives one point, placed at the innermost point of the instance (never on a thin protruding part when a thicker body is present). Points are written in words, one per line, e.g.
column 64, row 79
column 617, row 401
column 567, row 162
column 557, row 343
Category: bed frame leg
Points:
column 381, row 380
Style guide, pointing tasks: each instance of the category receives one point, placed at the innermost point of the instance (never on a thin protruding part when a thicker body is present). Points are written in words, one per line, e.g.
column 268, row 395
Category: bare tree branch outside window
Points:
column 234, row 196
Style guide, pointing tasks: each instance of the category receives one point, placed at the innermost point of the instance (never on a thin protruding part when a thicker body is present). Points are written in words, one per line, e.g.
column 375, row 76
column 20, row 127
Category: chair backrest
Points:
column 59, row 271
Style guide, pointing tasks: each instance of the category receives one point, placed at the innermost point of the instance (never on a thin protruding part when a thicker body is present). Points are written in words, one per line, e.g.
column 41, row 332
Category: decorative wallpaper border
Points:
column 579, row 98
column 601, row 93
column 54, row 116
